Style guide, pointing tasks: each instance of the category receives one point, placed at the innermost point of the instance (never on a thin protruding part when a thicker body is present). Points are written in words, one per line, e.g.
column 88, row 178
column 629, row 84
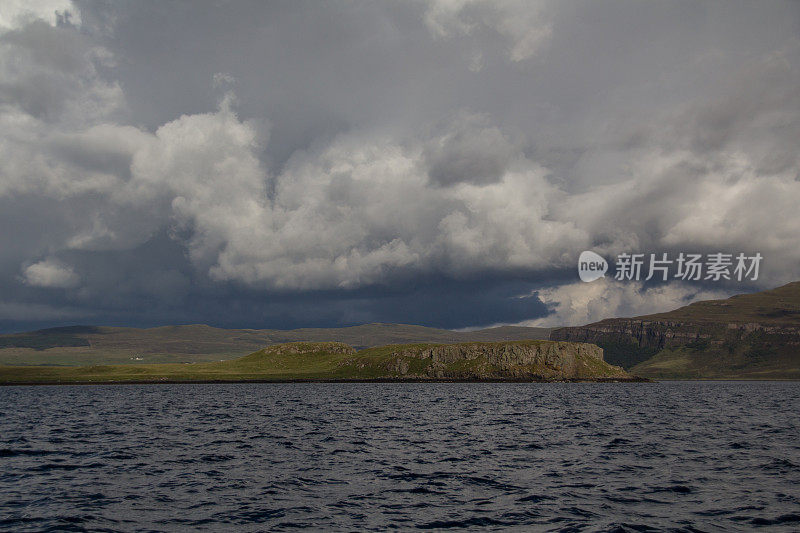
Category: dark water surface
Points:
column 563, row 457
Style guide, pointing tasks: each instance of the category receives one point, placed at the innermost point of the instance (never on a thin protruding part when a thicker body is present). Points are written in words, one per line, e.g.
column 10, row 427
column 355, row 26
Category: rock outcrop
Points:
column 523, row 360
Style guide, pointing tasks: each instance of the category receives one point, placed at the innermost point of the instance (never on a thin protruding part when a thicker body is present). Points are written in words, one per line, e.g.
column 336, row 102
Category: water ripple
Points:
column 370, row 457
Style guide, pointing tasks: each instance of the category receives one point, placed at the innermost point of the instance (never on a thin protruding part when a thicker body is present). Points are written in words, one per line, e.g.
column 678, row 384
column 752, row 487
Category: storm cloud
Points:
column 440, row 162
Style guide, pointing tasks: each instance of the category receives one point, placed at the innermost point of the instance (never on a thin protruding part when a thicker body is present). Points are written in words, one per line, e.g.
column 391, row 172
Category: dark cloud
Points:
column 469, row 151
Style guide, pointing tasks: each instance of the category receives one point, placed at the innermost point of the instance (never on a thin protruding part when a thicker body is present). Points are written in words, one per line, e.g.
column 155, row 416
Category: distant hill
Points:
column 753, row 336
column 537, row 360
column 90, row 345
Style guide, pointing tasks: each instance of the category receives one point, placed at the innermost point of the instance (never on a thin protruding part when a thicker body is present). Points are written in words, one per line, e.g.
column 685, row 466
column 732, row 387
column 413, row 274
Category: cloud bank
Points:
column 381, row 157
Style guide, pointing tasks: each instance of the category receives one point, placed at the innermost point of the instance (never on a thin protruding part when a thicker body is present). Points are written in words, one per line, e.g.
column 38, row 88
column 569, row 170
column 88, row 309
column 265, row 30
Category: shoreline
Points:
column 636, row 379
column 304, row 380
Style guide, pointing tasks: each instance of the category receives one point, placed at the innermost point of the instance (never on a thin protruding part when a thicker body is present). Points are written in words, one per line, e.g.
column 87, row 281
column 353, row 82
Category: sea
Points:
column 667, row 456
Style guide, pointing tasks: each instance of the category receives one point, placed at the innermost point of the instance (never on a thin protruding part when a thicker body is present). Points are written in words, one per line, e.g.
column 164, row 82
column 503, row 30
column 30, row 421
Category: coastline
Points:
column 634, row 379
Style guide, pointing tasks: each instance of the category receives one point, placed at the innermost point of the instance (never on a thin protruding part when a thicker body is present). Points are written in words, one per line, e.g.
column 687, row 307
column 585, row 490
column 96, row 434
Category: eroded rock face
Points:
column 665, row 334
column 632, row 341
column 545, row 360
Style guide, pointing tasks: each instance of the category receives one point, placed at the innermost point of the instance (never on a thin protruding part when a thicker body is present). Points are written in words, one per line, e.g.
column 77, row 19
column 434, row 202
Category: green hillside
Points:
column 89, row 345
column 780, row 306
column 332, row 361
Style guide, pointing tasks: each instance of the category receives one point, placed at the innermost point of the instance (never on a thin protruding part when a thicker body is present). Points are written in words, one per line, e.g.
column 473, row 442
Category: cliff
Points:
column 521, row 360
column 745, row 336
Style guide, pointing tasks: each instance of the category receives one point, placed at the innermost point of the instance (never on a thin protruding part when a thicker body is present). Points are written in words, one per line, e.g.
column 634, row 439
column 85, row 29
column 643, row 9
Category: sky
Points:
column 437, row 162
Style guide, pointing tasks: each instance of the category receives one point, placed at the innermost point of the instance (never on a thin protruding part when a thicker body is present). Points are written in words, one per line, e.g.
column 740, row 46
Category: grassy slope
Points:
column 82, row 345
column 687, row 362
column 264, row 364
column 320, row 361
column 777, row 306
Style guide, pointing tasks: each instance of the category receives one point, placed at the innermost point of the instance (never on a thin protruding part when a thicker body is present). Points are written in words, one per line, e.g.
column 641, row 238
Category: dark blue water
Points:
column 250, row 457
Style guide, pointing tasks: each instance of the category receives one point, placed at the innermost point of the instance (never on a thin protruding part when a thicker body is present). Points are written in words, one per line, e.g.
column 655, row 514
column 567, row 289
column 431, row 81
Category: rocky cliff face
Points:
column 657, row 335
column 525, row 360
column 628, row 342
column 737, row 337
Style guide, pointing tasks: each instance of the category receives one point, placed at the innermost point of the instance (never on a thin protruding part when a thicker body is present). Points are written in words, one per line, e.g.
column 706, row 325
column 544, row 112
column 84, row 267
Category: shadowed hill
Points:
column 81, row 345
column 753, row 336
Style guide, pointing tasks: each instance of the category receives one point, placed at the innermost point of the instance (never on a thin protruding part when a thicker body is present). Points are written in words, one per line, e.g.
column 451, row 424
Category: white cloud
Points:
column 462, row 200
column 581, row 303
column 50, row 274
column 15, row 13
